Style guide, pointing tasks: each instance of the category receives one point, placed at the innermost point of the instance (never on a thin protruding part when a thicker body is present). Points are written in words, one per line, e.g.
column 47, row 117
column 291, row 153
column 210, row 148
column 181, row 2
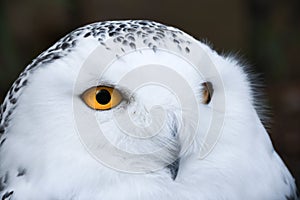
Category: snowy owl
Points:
column 136, row 110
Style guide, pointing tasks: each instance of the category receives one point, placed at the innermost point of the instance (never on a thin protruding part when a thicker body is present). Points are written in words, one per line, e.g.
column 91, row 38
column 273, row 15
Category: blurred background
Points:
column 263, row 33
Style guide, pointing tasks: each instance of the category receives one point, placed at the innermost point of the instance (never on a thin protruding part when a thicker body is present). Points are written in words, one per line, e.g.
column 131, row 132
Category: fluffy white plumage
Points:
column 42, row 156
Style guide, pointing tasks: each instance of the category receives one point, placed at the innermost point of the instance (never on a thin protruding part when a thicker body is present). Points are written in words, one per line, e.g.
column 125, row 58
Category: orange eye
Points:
column 102, row 97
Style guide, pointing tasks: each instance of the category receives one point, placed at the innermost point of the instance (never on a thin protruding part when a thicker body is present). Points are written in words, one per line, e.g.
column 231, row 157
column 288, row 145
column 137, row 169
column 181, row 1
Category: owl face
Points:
column 149, row 100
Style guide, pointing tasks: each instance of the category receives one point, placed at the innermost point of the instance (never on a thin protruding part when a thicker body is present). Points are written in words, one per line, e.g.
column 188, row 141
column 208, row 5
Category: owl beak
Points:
column 174, row 167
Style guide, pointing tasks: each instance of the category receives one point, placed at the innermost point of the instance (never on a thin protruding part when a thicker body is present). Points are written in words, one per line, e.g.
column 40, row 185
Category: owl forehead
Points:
column 147, row 66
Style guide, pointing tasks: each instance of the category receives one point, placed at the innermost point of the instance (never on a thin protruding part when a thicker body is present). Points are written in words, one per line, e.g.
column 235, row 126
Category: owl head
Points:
column 124, row 101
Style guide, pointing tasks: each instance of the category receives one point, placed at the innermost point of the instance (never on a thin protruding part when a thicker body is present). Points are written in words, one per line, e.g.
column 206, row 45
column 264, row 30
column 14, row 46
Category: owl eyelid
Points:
column 123, row 91
column 126, row 93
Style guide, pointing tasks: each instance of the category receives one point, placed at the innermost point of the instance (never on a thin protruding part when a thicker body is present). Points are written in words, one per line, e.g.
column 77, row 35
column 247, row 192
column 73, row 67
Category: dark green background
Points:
column 265, row 34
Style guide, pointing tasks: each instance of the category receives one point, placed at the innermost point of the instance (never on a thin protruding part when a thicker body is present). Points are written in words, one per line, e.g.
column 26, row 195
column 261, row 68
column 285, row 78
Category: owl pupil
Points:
column 103, row 97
